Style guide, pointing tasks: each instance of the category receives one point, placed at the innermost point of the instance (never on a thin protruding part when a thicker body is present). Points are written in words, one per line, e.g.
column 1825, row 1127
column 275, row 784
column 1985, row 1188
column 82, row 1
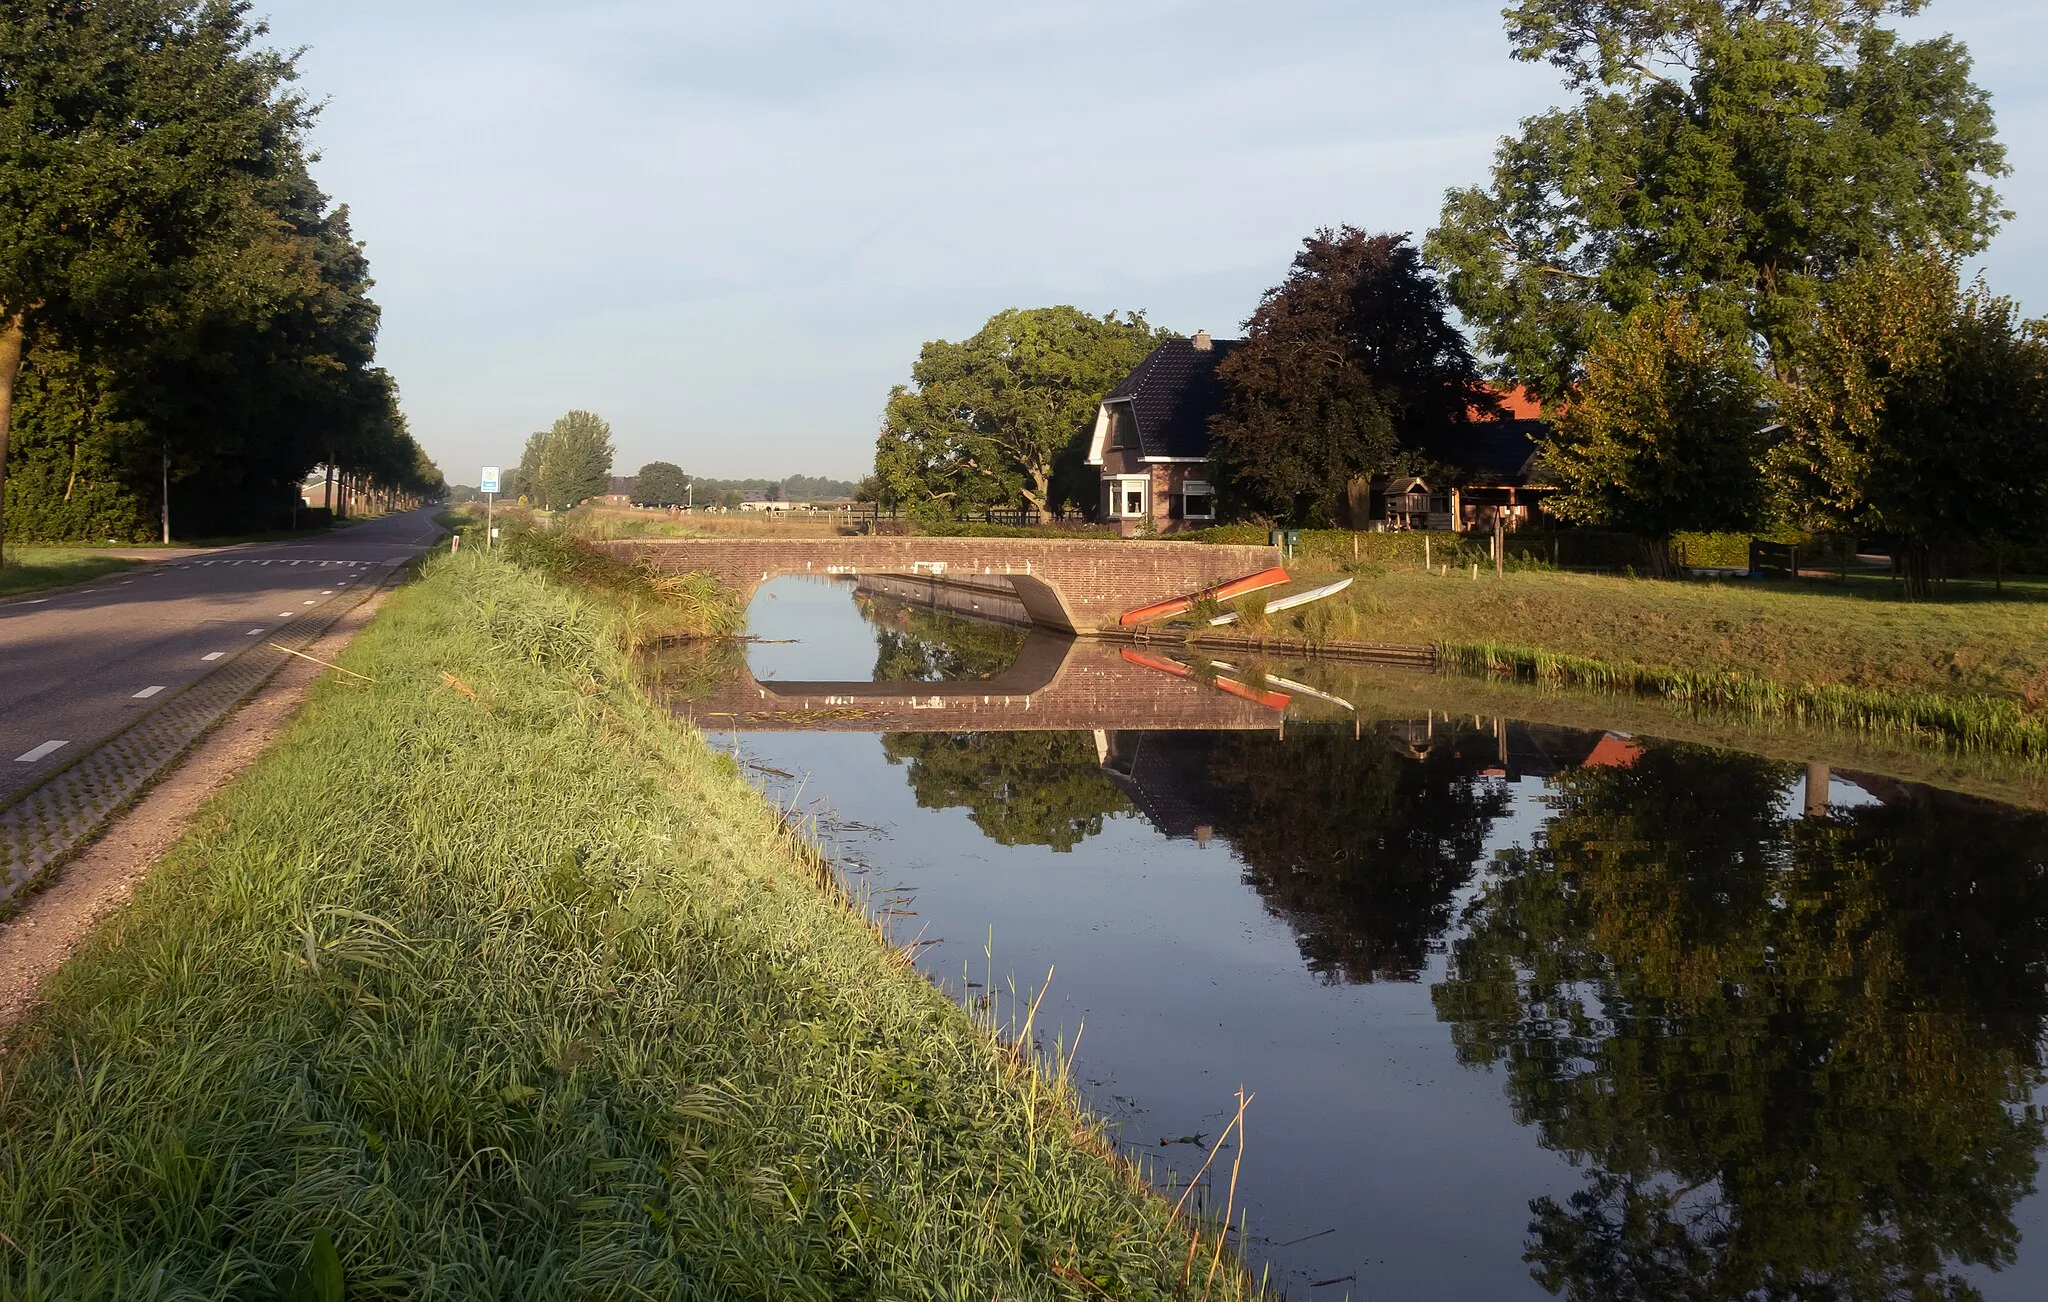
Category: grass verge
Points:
column 1969, row 672
column 509, row 987
column 32, row 569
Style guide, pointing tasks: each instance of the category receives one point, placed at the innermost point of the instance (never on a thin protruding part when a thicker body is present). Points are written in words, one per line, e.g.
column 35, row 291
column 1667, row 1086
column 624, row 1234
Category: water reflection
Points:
column 1358, row 846
column 1721, row 1036
column 1794, row 1055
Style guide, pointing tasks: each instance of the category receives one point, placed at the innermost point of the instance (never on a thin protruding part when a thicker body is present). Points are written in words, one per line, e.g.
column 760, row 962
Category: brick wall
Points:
column 1076, row 586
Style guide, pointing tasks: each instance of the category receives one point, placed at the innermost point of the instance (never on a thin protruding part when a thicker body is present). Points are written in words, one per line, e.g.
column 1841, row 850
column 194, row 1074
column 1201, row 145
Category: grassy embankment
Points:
column 32, row 569
column 1969, row 671
column 514, row 988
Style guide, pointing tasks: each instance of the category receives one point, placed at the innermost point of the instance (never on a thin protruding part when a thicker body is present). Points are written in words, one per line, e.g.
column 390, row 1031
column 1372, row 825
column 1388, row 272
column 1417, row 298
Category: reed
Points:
column 1963, row 723
column 521, row 990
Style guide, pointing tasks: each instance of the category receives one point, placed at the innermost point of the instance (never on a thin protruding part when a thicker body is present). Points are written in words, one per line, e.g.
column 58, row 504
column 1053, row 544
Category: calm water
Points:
column 1528, row 1011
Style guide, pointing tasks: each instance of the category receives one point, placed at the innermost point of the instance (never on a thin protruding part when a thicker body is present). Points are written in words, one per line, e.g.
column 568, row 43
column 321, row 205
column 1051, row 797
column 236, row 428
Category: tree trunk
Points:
column 13, row 336
column 1916, row 565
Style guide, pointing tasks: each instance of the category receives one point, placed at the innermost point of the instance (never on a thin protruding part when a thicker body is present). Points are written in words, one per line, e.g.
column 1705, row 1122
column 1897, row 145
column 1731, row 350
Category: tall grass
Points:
column 515, row 990
column 654, row 606
column 1964, row 723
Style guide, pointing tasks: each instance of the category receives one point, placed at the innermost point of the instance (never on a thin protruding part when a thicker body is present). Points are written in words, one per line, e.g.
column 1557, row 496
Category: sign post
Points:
column 490, row 491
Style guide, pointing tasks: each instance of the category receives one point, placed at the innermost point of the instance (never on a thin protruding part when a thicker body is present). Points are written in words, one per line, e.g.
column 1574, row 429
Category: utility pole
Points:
column 166, row 511
column 690, row 496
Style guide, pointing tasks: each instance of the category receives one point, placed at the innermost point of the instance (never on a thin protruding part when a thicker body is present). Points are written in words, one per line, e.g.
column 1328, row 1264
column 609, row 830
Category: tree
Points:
column 1738, row 152
column 1918, row 412
column 1793, row 1056
column 1663, row 432
column 983, row 420
column 569, row 463
column 1351, row 367
column 140, row 141
column 661, row 483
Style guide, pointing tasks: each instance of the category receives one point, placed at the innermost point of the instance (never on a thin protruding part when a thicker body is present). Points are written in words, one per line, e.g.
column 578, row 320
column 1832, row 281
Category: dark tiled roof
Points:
column 1173, row 393
column 1500, row 452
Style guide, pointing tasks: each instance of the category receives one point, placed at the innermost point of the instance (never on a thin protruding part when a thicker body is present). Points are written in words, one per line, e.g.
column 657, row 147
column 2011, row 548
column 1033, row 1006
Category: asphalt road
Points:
column 78, row 666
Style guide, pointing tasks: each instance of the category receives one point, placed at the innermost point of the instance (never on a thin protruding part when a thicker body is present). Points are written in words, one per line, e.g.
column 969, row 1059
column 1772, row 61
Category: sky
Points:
column 728, row 228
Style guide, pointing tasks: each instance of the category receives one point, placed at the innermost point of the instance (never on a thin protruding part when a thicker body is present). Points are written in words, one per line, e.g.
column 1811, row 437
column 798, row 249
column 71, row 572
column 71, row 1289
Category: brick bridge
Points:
column 1074, row 586
column 1056, row 684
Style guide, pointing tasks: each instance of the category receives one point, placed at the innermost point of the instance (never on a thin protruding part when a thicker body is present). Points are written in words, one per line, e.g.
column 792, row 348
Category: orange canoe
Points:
column 1272, row 578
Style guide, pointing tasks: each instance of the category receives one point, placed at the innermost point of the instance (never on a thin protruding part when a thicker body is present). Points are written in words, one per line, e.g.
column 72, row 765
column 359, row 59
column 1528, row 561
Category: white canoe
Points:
column 1289, row 603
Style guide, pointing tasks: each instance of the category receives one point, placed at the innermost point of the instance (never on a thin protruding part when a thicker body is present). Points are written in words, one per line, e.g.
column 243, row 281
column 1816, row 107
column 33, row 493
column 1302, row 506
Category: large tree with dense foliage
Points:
column 567, row 463
column 984, row 420
column 1918, row 413
column 661, row 483
column 142, row 145
column 1742, row 152
column 1663, row 432
column 1350, row 367
column 178, row 301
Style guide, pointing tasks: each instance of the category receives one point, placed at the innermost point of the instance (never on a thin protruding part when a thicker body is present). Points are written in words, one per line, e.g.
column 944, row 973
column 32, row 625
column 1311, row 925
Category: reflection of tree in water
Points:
column 1794, row 1055
column 1355, row 847
column 917, row 645
column 1020, row 788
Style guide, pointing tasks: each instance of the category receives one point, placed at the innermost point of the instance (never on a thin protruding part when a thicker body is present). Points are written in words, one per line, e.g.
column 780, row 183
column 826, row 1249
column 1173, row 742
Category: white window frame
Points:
column 1201, row 486
column 1121, row 487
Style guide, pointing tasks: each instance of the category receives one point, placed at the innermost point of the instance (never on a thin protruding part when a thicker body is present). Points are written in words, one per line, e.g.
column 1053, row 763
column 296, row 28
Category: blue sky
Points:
column 728, row 228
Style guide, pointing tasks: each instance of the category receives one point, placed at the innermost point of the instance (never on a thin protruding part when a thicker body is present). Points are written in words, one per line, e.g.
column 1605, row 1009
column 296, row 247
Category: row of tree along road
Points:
column 1731, row 268
column 183, row 314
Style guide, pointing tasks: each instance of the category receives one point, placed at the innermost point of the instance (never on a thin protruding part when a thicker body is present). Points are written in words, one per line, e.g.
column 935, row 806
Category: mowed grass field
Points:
column 509, row 987
column 1977, row 642
column 34, row 568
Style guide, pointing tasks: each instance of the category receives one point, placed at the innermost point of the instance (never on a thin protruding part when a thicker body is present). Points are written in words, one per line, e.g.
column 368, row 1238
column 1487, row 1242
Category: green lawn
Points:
column 1976, row 642
column 31, row 569
column 512, row 987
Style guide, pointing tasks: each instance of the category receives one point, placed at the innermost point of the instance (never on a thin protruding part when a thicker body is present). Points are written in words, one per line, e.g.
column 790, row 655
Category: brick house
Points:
column 1151, row 440
column 1150, row 447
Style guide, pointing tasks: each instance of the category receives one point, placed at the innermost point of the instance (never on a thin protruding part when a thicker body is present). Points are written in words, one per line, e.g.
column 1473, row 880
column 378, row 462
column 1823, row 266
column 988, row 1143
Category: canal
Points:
column 1525, row 1009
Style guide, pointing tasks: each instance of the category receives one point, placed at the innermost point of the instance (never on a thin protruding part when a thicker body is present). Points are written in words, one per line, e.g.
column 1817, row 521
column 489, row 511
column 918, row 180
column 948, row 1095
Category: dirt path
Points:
column 100, row 878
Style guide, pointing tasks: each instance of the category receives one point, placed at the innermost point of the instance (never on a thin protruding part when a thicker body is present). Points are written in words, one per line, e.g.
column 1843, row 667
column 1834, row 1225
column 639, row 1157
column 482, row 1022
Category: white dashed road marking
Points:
column 254, row 631
column 213, row 655
column 47, row 748
column 148, row 692
column 307, row 602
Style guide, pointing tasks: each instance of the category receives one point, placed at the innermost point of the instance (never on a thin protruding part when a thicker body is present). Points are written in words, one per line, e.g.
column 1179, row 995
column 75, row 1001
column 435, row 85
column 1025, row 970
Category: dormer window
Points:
column 1123, row 431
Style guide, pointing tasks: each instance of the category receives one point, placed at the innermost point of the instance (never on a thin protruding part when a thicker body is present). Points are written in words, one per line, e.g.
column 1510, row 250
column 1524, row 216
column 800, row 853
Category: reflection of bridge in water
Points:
column 1056, row 684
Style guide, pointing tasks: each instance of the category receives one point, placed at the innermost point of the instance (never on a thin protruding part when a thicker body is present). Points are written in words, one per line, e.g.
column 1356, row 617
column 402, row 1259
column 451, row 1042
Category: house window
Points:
column 1197, row 501
column 1127, row 495
column 1123, row 434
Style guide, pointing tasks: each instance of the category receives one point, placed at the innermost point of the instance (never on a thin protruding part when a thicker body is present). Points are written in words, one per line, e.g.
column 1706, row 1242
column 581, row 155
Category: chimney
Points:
column 1201, row 341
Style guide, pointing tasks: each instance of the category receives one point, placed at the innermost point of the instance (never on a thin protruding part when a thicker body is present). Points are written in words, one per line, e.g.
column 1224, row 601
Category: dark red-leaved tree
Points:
column 1350, row 368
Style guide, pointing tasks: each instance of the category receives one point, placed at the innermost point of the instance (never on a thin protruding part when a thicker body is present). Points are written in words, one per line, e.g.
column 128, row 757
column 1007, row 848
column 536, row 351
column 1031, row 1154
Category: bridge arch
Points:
column 1073, row 586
